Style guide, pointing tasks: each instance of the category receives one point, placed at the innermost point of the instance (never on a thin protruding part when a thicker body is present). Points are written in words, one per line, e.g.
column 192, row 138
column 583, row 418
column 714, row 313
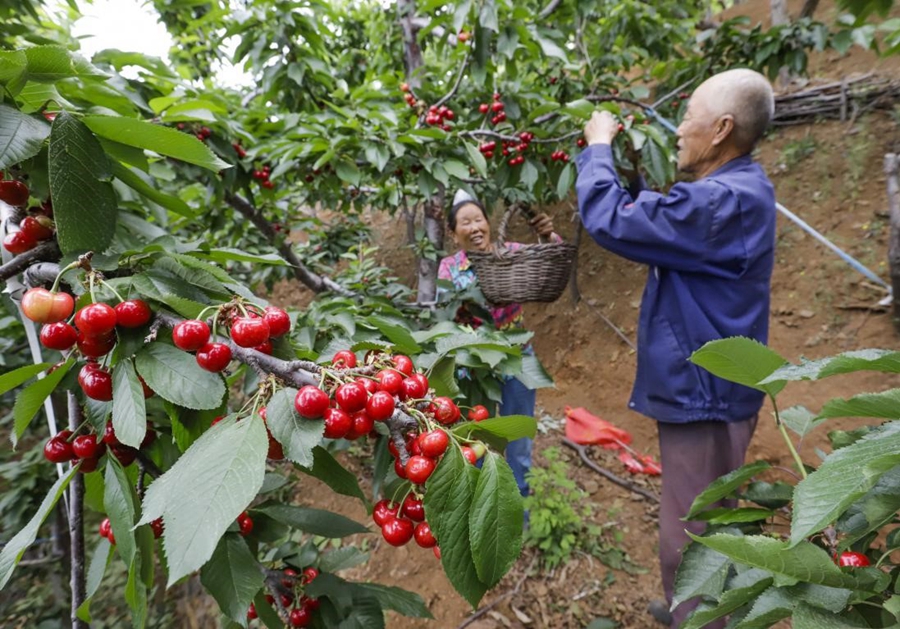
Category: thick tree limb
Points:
column 47, row 251
column 76, row 524
column 314, row 281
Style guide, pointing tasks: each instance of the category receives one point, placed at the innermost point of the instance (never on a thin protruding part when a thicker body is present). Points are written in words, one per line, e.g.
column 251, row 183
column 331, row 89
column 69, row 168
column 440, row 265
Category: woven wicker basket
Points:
column 538, row 272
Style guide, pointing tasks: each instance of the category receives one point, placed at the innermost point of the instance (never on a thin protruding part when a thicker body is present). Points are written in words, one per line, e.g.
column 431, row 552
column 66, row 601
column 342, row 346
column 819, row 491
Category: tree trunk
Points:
column 809, row 7
column 433, row 220
column 780, row 16
column 407, row 13
column 893, row 194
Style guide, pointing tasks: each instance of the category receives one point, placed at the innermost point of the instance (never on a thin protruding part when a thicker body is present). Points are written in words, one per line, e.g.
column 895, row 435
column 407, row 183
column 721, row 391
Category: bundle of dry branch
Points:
column 842, row 100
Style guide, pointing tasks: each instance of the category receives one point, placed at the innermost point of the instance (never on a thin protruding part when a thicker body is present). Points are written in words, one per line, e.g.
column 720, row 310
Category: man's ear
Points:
column 723, row 130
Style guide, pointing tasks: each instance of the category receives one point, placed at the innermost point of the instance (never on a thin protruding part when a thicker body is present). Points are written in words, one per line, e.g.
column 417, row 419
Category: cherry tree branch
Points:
column 549, row 9
column 47, row 251
column 459, row 78
column 314, row 281
column 76, row 524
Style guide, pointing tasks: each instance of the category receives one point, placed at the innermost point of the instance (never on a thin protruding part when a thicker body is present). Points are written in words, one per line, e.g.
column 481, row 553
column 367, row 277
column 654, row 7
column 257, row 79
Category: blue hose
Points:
column 853, row 262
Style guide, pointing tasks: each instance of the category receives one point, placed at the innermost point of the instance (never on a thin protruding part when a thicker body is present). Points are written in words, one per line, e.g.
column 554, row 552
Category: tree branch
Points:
column 459, row 77
column 549, row 9
column 41, row 273
column 314, row 281
column 76, row 524
column 47, row 251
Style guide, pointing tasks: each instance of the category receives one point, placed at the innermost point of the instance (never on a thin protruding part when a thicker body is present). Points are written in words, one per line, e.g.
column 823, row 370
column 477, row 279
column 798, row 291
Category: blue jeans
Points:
column 517, row 399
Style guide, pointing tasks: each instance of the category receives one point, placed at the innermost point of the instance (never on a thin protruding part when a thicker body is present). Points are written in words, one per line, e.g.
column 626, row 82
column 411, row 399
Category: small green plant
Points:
column 796, row 151
column 560, row 512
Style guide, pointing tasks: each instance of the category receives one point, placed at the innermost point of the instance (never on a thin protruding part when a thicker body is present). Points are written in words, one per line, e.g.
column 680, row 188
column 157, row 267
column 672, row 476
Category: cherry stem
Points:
column 114, row 291
column 59, row 275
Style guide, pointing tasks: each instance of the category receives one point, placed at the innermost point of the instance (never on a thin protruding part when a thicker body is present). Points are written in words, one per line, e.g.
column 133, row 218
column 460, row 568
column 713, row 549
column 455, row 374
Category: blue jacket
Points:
column 710, row 245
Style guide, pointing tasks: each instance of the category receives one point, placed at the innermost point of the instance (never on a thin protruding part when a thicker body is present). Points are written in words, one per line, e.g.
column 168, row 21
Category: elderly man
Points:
column 710, row 247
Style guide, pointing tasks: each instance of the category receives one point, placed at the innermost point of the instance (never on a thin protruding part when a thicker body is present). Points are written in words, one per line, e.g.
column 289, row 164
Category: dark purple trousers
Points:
column 693, row 455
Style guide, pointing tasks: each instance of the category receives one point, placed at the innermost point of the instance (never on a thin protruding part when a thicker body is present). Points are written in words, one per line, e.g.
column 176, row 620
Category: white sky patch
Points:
column 134, row 26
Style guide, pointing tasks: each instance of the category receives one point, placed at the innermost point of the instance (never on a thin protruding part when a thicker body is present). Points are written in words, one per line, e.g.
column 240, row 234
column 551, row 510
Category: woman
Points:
column 471, row 231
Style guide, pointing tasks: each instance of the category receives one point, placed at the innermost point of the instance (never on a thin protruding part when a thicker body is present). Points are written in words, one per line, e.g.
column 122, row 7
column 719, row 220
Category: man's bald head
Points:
column 746, row 96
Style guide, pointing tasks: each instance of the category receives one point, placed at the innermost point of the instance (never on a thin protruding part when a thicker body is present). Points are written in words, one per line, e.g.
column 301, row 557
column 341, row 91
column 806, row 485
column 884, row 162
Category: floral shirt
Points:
column 458, row 270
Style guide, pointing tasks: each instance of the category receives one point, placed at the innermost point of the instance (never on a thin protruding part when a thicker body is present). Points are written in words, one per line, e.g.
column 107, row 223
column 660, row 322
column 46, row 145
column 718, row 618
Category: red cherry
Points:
column 148, row 392
column 96, row 319
column 581, row 142
column 419, row 468
column 265, row 348
column 214, row 356
column 370, row 385
column 437, row 551
column 190, row 335
column 287, row 600
column 18, row 242
column 14, row 192
column 88, row 465
column 469, row 454
column 105, row 528
column 311, row 402
column 109, row 434
column 96, row 383
column 251, row 612
column 300, row 617
column 42, row 306
column 275, row 451
column 312, row 604
column 351, row 397
column 413, row 508
column 404, row 87
column 399, row 470
column 424, row 536
column 383, row 511
column 412, row 388
column 309, row 575
column 60, row 336
column 95, row 346
column 158, row 527
column 446, row 411
column 362, row 425
column 484, row 108
column 125, row 454
column 249, row 331
column 403, row 364
column 434, row 443
column 278, row 320
column 344, row 359
column 245, row 524
column 149, row 437
column 852, row 559
column 87, row 447
column 58, row 449
column 292, row 578
column 380, row 406
column 497, row 106
column 397, row 531
column 389, row 380
column 38, row 227
column 133, row 313
column 478, row 413
column 337, row 423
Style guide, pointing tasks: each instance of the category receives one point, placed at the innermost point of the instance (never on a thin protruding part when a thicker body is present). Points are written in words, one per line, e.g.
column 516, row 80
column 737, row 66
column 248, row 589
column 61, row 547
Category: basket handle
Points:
column 514, row 209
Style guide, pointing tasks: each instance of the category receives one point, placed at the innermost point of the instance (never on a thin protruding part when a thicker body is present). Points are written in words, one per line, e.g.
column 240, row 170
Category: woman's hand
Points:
column 542, row 224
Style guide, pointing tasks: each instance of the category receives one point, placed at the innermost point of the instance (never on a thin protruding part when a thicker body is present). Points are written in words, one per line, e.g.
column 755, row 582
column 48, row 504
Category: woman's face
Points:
column 473, row 232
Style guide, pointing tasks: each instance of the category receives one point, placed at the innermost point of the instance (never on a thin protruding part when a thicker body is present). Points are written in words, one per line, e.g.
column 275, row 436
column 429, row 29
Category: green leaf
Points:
column 476, row 158
column 769, row 495
column 726, row 515
column 550, row 48
column 741, row 360
column 803, row 562
column 881, row 360
column 13, row 66
column 564, row 183
column 448, row 499
column 313, row 521
column 495, row 520
column 96, row 570
column 143, row 187
column 49, row 64
column 232, row 576
column 156, row 138
column 799, row 419
column 326, row 468
column 21, row 136
column 11, row 379
column 725, row 486
column 342, row 559
column 119, row 501
column 457, row 169
column 528, row 174
column 581, row 108
column 206, row 489
column 176, row 377
column 883, row 405
column 396, row 334
column 769, row 607
column 297, row 434
column 84, row 203
column 14, row 549
column 702, row 572
column 347, row 171
column 533, row 375
column 809, row 617
column 224, row 254
column 396, row 599
column 30, row 399
column 874, row 510
column 129, row 414
column 844, row 476
column 442, row 377
column 730, row 601
column 510, row 427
